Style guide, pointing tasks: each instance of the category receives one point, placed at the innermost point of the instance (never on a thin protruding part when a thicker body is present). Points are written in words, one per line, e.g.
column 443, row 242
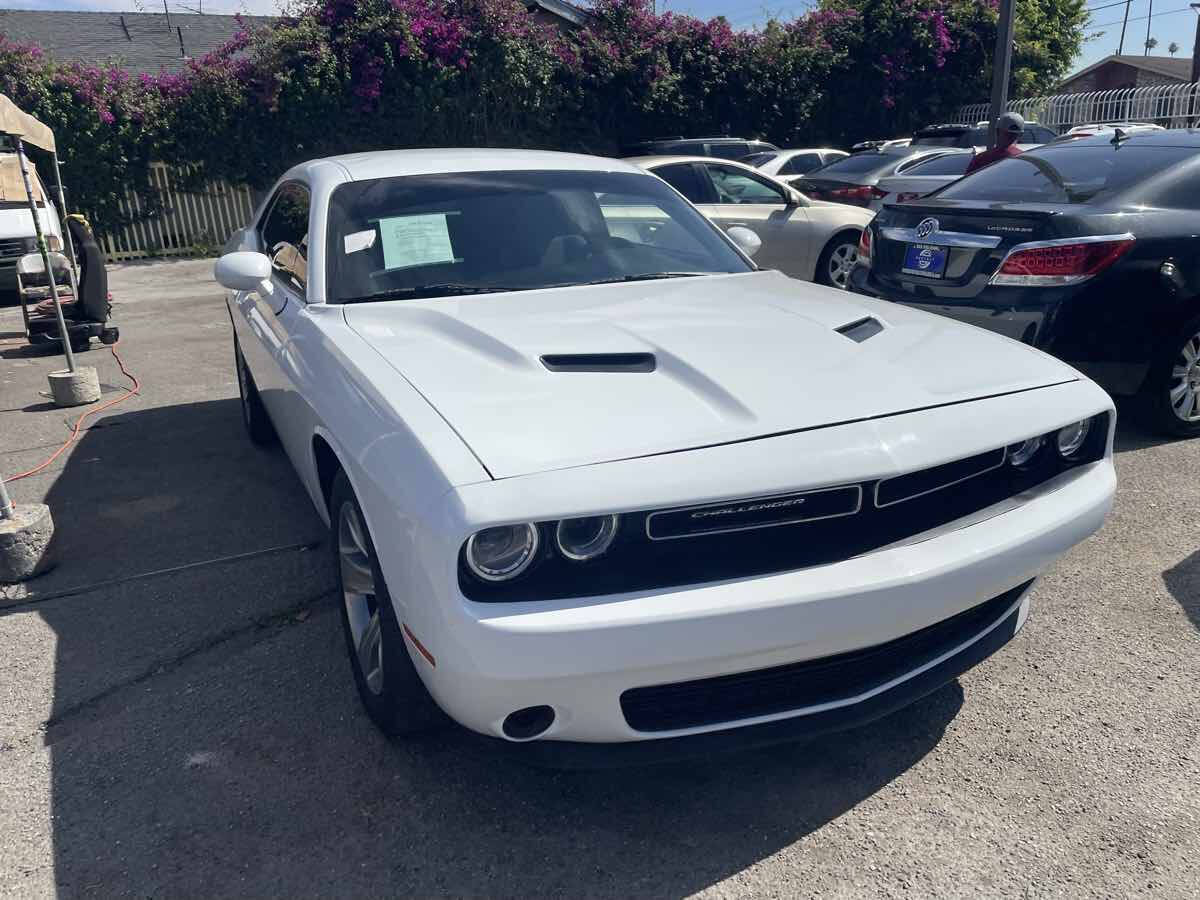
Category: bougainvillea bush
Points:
column 346, row 75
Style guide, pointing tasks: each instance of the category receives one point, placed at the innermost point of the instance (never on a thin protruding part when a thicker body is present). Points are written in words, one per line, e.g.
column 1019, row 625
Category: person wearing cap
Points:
column 1008, row 129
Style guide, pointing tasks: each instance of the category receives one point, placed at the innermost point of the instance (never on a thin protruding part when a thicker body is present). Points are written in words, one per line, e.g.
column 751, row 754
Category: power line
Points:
column 1143, row 18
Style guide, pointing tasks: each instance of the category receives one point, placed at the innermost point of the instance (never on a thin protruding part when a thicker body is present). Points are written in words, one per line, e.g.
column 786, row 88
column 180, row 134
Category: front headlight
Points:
column 1020, row 454
column 1070, row 438
column 586, row 538
column 503, row 552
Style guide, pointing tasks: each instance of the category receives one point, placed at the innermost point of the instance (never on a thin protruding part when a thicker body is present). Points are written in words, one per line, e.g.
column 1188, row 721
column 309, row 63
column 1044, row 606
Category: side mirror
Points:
column 745, row 239
column 795, row 198
column 244, row 271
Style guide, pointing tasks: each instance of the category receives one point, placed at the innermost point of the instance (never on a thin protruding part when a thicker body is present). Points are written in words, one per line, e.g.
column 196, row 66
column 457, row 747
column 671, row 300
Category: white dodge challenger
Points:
column 599, row 487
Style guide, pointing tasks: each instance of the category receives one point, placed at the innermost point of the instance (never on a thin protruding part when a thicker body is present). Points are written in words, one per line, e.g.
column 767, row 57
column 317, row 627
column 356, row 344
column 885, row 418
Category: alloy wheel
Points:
column 841, row 261
column 358, row 595
column 1184, row 386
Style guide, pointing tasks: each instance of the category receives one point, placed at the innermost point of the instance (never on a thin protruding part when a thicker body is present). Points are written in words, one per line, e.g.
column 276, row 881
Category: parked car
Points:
column 786, row 165
column 1086, row 249
column 923, row 178
column 1034, row 135
column 720, row 147
column 1108, row 128
column 863, row 146
column 803, row 238
column 16, row 222
column 854, row 180
column 600, row 490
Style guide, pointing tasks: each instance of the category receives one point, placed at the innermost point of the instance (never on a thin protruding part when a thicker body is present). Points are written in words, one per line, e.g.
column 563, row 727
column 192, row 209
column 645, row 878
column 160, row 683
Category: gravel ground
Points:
column 177, row 716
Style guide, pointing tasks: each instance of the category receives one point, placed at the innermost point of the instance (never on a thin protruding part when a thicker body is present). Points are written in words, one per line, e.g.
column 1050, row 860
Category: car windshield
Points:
column 478, row 232
column 758, row 159
column 858, row 164
column 948, row 164
column 1065, row 173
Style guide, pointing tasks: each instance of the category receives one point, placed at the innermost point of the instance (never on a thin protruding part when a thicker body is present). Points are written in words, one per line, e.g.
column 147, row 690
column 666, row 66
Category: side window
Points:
column 285, row 235
column 685, row 179
column 801, row 164
column 735, row 186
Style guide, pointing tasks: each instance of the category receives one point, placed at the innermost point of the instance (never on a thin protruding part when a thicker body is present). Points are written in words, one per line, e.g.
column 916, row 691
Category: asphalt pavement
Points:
column 177, row 715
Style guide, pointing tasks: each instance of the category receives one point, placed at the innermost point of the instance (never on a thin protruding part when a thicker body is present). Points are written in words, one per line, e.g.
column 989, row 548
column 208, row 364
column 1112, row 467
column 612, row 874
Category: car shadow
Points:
column 1183, row 581
column 205, row 738
column 1133, row 431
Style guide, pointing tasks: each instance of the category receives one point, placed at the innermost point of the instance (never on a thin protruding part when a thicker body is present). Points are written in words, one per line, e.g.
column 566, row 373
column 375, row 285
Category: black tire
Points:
column 823, row 274
column 401, row 704
column 254, row 414
column 1161, row 380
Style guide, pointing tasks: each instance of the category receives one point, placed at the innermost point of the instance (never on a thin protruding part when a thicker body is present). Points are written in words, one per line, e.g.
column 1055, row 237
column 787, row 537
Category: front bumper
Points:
column 580, row 656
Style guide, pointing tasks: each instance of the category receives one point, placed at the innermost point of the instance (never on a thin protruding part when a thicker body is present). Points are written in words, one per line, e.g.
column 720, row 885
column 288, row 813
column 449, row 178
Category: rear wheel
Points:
column 391, row 690
column 837, row 259
column 1173, row 384
column 254, row 414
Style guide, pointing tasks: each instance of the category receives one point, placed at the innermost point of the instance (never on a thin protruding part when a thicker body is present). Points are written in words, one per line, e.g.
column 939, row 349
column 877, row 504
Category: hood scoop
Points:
column 600, row 362
column 861, row 329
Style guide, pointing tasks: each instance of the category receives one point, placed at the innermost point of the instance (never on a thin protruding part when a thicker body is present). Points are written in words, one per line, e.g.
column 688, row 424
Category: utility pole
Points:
column 1195, row 66
column 1149, row 19
column 1001, row 67
column 1121, row 48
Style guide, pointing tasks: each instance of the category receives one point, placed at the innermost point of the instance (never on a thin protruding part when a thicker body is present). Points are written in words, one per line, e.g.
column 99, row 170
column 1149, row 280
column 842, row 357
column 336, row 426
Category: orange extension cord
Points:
column 91, row 412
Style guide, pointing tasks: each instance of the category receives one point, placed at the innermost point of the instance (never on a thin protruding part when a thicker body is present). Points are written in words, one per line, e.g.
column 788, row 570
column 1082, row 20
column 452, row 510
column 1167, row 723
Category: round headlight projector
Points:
column 1020, row 454
column 1070, row 438
column 503, row 552
column 586, row 538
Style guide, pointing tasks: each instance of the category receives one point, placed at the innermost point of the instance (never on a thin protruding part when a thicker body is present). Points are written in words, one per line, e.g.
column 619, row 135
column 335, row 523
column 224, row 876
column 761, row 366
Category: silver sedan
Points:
column 807, row 239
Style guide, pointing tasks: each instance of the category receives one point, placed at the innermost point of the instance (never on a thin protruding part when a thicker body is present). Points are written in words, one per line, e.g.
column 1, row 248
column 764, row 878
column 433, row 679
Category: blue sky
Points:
column 1173, row 20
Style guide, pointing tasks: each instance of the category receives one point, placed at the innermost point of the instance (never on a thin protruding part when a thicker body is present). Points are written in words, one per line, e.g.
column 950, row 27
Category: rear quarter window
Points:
column 1066, row 173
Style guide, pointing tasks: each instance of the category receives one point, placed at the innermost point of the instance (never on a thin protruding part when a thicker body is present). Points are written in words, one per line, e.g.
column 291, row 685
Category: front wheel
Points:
column 837, row 260
column 254, row 414
column 388, row 684
column 1173, row 385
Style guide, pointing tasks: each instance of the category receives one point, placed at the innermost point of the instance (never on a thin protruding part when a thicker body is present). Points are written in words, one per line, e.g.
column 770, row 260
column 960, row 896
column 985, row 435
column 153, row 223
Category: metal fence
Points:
column 188, row 221
column 1169, row 105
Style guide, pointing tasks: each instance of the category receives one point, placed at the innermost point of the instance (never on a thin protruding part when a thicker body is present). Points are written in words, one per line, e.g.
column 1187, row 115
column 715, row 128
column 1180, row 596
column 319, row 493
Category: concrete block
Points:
column 25, row 542
column 75, row 388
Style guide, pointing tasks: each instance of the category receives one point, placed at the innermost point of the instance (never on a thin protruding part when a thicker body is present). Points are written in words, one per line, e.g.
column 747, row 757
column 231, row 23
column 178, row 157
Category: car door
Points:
column 282, row 234
column 742, row 197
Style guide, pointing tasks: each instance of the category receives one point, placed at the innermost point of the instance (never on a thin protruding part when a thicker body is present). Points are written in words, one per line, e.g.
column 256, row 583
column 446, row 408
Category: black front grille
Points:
column 12, row 247
column 641, row 559
column 764, row 692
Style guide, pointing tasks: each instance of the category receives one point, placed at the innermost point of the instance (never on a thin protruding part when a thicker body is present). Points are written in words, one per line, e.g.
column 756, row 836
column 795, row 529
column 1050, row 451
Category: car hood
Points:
column 733, row 357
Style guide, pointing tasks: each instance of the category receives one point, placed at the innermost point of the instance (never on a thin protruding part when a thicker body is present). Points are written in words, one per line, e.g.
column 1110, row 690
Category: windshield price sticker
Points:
column 410, row 241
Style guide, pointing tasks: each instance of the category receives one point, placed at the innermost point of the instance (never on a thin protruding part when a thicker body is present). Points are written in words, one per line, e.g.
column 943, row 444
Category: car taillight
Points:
column 864, row 247
column 1061, row 262
column 860, row 194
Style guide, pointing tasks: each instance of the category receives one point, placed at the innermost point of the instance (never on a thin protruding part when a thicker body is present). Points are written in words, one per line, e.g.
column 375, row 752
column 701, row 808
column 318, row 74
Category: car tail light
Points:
column 860, row 195
column 864, row 247
column 1061, row 262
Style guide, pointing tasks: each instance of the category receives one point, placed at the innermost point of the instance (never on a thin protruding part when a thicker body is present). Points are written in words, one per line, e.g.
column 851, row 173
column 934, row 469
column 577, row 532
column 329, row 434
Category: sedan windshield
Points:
column 1066, row 173
column 482, row 232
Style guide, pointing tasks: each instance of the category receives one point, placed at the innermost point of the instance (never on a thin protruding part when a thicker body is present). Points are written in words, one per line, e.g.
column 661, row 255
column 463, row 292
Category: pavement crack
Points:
column 261, row 628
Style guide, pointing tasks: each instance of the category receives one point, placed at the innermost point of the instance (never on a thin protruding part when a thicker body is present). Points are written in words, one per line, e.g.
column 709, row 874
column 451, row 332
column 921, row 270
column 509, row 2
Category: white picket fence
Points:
column 1169, row 105
column 188, row 221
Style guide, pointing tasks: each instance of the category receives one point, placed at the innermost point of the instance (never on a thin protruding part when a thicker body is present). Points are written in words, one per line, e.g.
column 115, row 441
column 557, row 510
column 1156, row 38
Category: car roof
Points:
column 645, row 162
column 389, row 163
column 1174, row 137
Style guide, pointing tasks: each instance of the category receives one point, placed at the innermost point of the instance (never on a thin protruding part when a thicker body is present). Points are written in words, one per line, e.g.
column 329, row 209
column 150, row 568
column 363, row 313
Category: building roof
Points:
column 569, row 12
column 140, row 42
column 1168, row 66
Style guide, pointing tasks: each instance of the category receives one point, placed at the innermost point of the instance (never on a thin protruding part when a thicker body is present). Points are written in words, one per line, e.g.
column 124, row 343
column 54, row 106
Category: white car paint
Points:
column 17, row 232
column 445, row 423
column 775, row 166
column 795, row 230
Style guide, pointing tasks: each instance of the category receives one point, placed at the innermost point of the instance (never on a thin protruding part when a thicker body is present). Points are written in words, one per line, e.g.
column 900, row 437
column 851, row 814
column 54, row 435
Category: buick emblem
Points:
column 926, row 227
